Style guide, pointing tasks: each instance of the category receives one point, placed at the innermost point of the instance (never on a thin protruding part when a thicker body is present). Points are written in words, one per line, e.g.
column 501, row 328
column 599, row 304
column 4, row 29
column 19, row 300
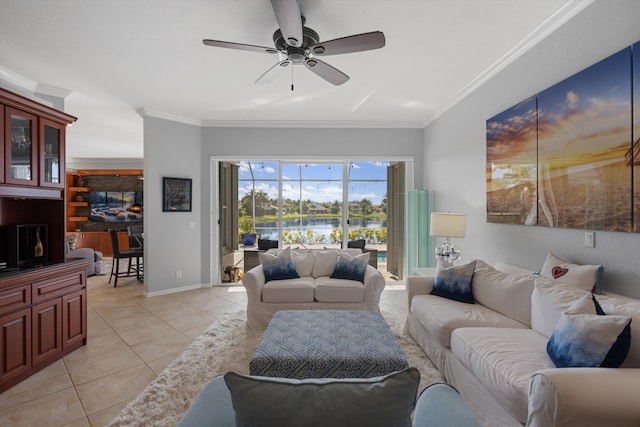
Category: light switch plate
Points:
column 590, row 239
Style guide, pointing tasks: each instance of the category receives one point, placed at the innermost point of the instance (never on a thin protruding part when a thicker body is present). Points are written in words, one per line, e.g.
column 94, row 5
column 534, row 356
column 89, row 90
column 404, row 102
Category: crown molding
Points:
column 560, row 17
column 58, row 92
column 18, row 80
column 76, row 163
column 146, row 112
column 409, row 124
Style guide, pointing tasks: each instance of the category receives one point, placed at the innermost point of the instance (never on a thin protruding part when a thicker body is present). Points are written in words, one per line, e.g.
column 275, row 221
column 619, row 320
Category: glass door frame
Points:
column 215, row 267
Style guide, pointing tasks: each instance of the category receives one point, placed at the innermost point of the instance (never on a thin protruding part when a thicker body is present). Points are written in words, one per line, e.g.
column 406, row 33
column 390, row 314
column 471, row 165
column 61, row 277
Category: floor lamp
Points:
column 447, row 225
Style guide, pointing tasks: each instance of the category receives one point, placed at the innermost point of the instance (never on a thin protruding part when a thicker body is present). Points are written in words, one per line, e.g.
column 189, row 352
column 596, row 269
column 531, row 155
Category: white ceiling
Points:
column 119, row 56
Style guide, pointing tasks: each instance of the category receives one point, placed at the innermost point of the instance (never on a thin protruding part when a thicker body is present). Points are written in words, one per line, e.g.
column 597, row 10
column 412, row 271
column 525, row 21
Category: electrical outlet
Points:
column 178, row 274
column 589, row 239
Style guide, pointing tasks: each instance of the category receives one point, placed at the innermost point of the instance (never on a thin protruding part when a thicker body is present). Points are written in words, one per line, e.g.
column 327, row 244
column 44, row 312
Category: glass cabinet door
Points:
column 51, row 154
column 21, row 152
column 2, row 138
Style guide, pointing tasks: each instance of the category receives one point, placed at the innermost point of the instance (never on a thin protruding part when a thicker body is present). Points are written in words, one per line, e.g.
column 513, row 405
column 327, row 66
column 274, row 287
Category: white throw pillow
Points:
column 303, row 260
column 508, row 294
column 511, row 268
column 324, row 262
column 549, row 300
column 587, row 277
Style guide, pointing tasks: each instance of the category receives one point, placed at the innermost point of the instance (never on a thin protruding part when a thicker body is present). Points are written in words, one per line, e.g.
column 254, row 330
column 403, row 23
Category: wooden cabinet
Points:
column 15, row 345
column 43, row 317
column 74, row 318
column 33, row 143
column 32, row 175
column 42, row 306
column 46, row 321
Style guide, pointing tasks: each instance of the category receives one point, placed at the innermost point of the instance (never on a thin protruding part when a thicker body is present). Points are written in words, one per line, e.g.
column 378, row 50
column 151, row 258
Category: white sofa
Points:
column 313, row 290
column 495, row 352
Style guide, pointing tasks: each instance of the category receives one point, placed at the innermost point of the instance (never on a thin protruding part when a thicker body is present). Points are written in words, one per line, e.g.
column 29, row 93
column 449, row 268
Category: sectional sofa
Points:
column 495, row 351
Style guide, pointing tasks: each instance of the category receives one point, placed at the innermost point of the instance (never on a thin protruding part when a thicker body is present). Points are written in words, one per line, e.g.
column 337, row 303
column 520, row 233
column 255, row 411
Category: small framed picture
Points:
column 176, row 194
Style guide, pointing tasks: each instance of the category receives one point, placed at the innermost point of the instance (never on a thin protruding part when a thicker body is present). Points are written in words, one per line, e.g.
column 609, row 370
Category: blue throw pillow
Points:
column 278, row 267
column 620, row 348
column 584, row 339
column 454, row 282
column 351, row 268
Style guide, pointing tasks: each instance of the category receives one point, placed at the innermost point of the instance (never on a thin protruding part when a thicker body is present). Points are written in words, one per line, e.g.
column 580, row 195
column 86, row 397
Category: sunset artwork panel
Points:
column 634, row 155
column 584, row 135
column 511, row 165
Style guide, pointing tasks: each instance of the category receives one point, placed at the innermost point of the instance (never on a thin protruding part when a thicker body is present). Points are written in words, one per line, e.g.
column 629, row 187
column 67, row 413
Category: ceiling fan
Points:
column 297, row 44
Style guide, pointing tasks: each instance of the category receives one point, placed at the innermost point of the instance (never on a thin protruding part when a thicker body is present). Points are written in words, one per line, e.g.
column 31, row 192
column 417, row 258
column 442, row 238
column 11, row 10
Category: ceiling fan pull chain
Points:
column 291, row 77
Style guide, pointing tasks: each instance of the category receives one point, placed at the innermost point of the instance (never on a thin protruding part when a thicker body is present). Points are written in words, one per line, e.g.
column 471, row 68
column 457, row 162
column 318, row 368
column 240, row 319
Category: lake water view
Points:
column 319, row 226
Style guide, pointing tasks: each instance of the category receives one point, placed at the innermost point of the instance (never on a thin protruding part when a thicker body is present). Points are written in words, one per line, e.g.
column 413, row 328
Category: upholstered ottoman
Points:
column 327, row 344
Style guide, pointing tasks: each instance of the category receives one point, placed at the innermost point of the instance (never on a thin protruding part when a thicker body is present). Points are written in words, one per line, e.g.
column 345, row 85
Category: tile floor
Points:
column 131, row 340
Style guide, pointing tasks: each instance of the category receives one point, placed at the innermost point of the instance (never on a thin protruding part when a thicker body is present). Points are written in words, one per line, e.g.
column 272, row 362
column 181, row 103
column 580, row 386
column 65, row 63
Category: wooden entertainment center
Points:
column 43, row 306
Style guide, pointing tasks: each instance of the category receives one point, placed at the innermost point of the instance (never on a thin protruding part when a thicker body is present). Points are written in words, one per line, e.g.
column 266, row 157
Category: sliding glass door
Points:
column 332, row 204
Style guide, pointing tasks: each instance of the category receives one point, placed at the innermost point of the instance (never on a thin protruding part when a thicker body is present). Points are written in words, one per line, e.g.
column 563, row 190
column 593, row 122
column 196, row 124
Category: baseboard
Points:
column 176, row 290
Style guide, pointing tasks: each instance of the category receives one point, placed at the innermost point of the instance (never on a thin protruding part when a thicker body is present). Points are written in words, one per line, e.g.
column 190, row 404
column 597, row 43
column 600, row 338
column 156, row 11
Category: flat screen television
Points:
column 116, row 206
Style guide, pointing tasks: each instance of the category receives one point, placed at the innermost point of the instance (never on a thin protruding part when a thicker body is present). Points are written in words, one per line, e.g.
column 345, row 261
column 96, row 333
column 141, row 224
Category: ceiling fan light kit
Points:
column 298, row 44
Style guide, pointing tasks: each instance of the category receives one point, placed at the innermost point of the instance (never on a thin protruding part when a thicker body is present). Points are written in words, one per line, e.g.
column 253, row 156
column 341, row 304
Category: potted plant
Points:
column 247, row 232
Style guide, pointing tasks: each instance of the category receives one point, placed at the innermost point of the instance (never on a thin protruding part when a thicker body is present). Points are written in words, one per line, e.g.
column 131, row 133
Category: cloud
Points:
column 572, row 100
column 594, row 131
column 512, row 140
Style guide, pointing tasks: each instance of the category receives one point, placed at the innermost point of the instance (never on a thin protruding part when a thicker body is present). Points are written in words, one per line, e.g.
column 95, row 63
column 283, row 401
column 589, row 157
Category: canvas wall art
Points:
column 633, row 158
column 512, row 165
column 584, row 132
column 585, row 154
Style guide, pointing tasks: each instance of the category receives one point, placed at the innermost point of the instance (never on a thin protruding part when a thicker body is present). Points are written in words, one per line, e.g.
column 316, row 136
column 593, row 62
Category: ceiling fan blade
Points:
column 240, row 46
column 349, row 44
column 326, row 71
column 289, row 20
column 273, row 72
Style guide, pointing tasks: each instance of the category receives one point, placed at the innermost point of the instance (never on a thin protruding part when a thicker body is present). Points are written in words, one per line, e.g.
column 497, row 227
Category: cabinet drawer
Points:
column 57, row 286
column 14, row 299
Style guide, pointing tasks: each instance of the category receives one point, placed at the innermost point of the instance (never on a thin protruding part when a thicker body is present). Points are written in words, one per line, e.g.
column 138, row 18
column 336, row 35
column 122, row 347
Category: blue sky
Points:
column 321, row 182
column 582, row 120
column 586, row 118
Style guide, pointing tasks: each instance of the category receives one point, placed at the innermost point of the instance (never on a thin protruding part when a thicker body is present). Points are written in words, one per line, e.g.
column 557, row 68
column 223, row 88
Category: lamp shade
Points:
column 447, row 224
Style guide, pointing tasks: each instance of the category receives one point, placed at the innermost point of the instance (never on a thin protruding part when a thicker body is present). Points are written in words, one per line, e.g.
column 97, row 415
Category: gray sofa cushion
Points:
column 379, row 401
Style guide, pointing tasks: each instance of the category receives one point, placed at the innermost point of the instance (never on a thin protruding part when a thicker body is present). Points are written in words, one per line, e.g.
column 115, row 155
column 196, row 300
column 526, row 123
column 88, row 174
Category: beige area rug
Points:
column 227, row 345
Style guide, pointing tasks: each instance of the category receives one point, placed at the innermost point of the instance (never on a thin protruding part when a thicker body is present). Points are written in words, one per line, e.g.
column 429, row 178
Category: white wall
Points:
column 171, row 150
column 455, row 150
